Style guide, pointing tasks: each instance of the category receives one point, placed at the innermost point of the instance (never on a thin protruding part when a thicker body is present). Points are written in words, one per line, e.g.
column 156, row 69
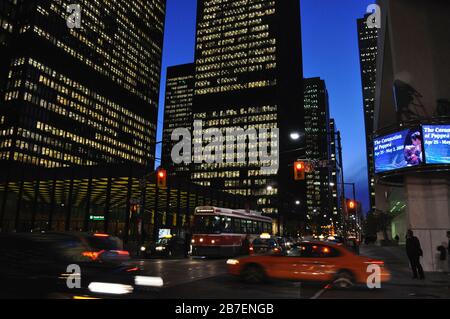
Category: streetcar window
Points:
column 259, row 228
column 227, row 225
column 243, row 226
column 213, row 224
column 237, row 225
column 249, row 227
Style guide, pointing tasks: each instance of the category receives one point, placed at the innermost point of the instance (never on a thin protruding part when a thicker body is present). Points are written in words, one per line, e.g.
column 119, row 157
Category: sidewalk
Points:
column 436, row 285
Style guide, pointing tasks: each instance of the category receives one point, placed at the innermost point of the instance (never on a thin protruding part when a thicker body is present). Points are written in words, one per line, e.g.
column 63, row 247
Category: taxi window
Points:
column 312, row 251
column 322, row 251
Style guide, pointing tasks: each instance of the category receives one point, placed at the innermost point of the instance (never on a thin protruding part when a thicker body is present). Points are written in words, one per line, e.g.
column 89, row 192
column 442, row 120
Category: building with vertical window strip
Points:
column 81, row 96
column 318, row 150
column 335, row 174
column 248, row 72
column 177, row 112
column 7, row 15
column 368, row 51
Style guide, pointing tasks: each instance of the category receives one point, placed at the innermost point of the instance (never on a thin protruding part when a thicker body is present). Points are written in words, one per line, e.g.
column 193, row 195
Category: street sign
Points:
column 97, row 218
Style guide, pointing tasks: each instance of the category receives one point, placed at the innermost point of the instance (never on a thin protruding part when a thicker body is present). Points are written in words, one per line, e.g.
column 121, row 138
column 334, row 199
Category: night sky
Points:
column 330, row 51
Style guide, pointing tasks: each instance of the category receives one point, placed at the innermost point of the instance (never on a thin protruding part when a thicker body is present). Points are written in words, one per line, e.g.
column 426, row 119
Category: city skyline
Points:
column 318, row 61
column 224, row 151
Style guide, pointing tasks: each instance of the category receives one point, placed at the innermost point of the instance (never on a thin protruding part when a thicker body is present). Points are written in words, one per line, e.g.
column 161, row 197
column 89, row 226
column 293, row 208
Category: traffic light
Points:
column 134, row 208
column 299, row 171
column 161, row 178
column 351, row 207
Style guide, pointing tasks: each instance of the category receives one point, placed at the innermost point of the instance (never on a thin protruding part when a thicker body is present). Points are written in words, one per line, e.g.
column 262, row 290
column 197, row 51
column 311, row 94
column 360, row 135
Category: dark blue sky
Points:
column 330, row 51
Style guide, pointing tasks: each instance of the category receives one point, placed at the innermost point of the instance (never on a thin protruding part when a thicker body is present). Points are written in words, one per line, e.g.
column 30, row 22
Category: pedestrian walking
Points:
column 187, row 243
column 246, row 246
column 414, row 252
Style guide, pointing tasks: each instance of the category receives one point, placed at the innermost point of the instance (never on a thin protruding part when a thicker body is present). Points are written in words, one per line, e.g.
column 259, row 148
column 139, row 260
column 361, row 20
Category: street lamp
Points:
column 297, row 203
column 295, row 136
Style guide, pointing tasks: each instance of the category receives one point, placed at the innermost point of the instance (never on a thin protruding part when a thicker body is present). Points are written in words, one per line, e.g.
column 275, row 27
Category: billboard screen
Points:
column 398, row 150
column 437, row 144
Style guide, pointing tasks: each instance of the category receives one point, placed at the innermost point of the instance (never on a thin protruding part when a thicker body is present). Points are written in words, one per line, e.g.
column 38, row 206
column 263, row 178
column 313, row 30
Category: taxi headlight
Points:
column 148, row 281
column 110, row 289
column 232, row 262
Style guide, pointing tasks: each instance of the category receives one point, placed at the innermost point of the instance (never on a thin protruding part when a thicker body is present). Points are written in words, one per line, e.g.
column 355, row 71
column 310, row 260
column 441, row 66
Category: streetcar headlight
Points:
column 232, row 262
column 213, row 241
column 201, row 240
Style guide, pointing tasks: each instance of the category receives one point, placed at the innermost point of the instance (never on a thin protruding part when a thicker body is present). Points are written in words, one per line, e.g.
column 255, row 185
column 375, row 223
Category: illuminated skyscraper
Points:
column 7, row 14
column 82, row 96
column 177, row 112
column 335, row 171
column 368, row 49
column 318, row 149
column 248, row 72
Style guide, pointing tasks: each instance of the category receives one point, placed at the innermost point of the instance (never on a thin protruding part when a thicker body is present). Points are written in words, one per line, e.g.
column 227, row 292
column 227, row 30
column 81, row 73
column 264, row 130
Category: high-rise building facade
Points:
column 318, row 150
column 89, row 94
column 247, row 75
column 335, row 174
column 177, row 112
column 368, row 51
column 8, row 10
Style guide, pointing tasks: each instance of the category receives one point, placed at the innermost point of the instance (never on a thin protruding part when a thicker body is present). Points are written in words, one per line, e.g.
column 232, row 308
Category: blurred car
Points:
column 265, row 244
column 39, row 266
column 353, row 244
column 168, row 246
column 104, row 247
column 336, row 239
column 285, row 243
column 308, row 261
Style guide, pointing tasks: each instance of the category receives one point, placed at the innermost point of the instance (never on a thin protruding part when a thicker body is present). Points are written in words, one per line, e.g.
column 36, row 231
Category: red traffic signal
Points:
column 161, row 178
column 351, row 207
column 134, row 208
column 299, row 171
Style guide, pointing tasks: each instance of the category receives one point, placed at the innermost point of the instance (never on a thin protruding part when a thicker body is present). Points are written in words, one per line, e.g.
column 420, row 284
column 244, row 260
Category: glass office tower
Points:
column 82, row 95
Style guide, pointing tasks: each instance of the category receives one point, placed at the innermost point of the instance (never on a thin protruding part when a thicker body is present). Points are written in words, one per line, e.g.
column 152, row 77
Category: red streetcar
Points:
column 222, row 232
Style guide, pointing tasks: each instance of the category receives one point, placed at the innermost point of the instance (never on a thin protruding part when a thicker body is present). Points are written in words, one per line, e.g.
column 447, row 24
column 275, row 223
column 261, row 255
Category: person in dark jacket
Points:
column 246, row 246
column 414, row 252
column 448, row 245
column 187, row 243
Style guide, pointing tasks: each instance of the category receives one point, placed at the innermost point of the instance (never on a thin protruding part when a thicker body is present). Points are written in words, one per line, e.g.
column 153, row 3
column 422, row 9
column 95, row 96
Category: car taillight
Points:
column 92, row 254
column 122, row 252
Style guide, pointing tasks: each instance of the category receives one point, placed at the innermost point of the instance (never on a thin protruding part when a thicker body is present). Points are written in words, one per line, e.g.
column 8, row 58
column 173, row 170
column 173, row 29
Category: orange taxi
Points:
column 309, row 261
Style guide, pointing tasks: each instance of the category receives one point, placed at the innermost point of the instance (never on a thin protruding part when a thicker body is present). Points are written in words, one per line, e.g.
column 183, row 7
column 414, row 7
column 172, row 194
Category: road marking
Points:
column 321, row 292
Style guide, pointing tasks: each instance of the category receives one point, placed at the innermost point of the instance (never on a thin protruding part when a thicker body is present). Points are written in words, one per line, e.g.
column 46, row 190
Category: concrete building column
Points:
column 428, row 198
